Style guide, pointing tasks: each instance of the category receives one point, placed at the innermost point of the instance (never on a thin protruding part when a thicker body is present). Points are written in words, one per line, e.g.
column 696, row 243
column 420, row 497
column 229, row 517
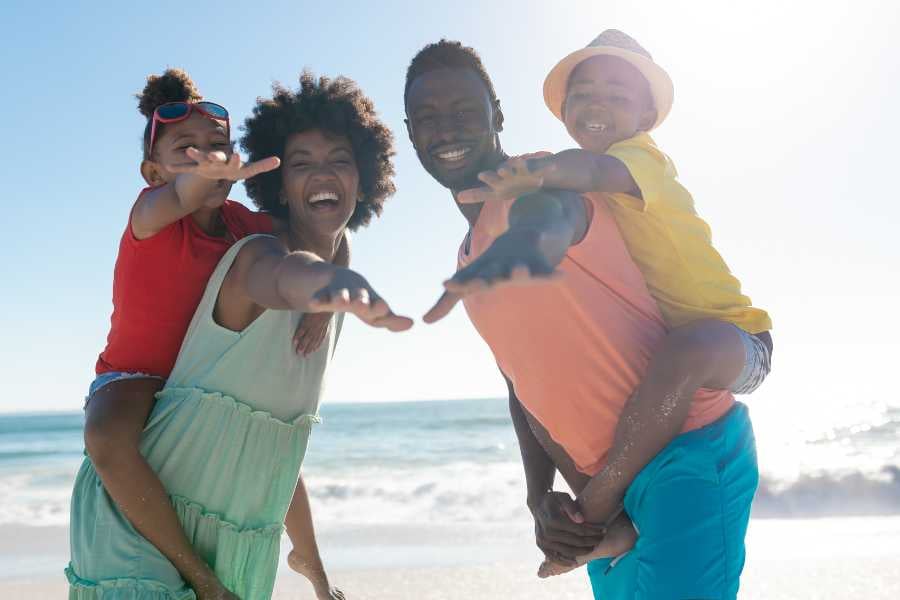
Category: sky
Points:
column 784, row 129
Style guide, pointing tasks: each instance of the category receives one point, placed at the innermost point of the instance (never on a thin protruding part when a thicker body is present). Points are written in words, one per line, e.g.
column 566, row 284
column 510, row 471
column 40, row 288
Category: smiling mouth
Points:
column 594, row 127
column 452, row 156
column 324, row 200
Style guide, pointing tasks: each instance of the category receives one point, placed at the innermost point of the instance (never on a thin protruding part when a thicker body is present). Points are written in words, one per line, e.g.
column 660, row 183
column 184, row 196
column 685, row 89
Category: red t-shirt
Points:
column 157, row 285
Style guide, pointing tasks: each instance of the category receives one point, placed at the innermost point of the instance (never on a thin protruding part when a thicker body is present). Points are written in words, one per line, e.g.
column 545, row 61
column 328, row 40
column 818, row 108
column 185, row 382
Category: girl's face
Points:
column 608, row 100
column 320, row 181
column 170, row 149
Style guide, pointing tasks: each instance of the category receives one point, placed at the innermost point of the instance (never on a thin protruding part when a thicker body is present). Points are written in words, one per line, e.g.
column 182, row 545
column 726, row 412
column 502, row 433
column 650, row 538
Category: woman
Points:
column 230, row 428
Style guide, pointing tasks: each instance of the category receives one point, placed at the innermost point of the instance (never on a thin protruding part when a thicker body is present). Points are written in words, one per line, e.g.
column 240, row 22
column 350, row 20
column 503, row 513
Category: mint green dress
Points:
column 226, row 436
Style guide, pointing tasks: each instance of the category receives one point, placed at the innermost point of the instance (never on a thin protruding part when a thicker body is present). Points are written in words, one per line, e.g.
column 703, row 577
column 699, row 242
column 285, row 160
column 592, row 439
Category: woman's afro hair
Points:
column 334, row 106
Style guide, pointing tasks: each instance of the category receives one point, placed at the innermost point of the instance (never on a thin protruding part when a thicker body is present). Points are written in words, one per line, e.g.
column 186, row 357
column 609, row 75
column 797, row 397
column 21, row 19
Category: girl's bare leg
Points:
column 115, row 418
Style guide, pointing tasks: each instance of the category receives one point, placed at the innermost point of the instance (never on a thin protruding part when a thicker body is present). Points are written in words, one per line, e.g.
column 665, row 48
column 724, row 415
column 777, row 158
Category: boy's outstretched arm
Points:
column 573, row 170
column 583, row 171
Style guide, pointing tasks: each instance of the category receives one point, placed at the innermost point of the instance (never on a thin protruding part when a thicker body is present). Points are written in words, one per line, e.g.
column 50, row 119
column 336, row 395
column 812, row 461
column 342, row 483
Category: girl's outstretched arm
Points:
column 161, row 206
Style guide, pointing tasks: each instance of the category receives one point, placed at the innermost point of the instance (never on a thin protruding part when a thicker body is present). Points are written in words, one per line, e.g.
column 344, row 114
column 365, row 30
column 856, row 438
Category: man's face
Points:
column 452, row 125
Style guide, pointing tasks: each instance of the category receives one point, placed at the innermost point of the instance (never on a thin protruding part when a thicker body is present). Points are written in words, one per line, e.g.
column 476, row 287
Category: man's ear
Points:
column 151, row 173
column 408, row 130
column 498, row 116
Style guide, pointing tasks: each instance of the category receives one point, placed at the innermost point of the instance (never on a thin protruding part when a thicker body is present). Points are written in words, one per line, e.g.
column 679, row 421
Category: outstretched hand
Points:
column 218, row 165
column 514, row 259
column 518, row 175
column 349, row 292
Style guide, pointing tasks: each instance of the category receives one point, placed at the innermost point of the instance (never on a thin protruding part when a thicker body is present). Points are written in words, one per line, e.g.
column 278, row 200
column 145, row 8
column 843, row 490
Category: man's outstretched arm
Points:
column 542, row 226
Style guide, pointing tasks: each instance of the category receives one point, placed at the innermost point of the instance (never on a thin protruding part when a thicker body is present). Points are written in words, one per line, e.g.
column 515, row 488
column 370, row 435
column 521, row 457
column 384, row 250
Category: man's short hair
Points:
column 447, row 54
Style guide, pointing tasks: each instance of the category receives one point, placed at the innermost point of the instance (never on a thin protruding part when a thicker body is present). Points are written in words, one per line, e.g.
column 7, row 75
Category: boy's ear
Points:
column 498, row 116
column 648, row 118
column 151, row 173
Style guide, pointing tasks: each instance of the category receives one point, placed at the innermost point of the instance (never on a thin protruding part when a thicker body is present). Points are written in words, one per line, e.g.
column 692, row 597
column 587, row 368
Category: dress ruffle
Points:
column 133, row 589
column 236, row 553
column 244, row 560
column 171, row 397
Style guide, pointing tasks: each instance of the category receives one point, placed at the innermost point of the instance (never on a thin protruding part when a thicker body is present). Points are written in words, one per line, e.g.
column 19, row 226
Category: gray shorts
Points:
column 757, row 364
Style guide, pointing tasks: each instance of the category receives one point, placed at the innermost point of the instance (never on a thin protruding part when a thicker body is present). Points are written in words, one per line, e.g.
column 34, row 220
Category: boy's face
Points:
column 452, row 125
column 607, row 101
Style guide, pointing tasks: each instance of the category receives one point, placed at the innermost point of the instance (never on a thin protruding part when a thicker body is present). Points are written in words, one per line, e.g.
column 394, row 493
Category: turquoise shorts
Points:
column 690, row 506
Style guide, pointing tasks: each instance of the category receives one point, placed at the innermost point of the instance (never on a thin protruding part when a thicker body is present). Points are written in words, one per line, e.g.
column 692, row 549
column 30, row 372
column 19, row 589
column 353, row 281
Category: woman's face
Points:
column 170, row 149
column 320, row 181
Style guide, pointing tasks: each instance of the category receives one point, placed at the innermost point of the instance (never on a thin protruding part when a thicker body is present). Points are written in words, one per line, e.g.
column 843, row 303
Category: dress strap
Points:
column 208, row 302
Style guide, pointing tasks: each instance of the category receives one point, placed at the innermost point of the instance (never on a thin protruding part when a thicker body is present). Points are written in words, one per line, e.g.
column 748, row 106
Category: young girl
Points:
column 179, row 228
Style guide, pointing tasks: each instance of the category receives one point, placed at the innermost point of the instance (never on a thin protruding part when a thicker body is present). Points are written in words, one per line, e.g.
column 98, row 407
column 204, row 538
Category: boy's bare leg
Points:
column 115, row 417
column 703, row 354
column 707, row 354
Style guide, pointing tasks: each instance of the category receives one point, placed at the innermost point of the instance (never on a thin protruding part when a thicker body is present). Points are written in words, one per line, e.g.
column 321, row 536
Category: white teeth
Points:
column 453, row 154
column 601, row 127
column 323, row 196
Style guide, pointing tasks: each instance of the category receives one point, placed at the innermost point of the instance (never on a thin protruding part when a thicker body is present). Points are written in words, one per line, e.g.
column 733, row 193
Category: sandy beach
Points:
column 802, row 559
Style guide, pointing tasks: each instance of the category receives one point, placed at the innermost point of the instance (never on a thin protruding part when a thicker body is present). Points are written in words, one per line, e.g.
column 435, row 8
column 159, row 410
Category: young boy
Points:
column 610, row 95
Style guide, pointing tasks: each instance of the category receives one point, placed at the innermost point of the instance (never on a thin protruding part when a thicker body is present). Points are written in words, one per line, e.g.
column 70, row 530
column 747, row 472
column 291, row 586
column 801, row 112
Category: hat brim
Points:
column 557, row 80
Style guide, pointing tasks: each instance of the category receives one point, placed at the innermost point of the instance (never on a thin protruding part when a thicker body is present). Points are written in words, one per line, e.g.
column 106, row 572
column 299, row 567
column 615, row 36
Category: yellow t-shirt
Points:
column 672, row 245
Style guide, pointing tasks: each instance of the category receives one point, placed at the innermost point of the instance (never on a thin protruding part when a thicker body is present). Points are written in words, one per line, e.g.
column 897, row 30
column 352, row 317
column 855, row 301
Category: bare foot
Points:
column 620, row 538
column 314, row 571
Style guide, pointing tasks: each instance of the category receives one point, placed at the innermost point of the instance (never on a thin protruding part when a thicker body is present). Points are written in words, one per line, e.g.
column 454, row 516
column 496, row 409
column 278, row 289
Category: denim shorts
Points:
column 757, row 364
column 104, row 379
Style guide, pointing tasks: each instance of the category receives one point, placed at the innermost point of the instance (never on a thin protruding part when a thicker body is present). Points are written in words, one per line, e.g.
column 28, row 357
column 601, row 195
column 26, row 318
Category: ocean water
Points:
column 450, row 462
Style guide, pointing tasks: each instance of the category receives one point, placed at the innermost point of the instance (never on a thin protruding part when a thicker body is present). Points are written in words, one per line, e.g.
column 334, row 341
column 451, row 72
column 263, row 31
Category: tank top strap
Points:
column 208, row 302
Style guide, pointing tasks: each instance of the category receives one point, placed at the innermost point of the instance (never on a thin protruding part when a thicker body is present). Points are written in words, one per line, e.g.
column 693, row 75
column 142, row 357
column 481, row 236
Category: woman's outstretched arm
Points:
column 266, row 276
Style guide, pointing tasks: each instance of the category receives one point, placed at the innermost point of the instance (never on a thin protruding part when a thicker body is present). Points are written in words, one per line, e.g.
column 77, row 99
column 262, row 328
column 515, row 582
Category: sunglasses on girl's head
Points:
column 172, row 112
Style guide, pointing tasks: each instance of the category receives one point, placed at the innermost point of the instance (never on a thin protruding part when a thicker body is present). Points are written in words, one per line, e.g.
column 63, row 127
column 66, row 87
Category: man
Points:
column 549, row 285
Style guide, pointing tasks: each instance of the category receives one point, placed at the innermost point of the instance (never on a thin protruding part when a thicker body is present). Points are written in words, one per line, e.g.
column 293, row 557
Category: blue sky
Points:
column 784, row 128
